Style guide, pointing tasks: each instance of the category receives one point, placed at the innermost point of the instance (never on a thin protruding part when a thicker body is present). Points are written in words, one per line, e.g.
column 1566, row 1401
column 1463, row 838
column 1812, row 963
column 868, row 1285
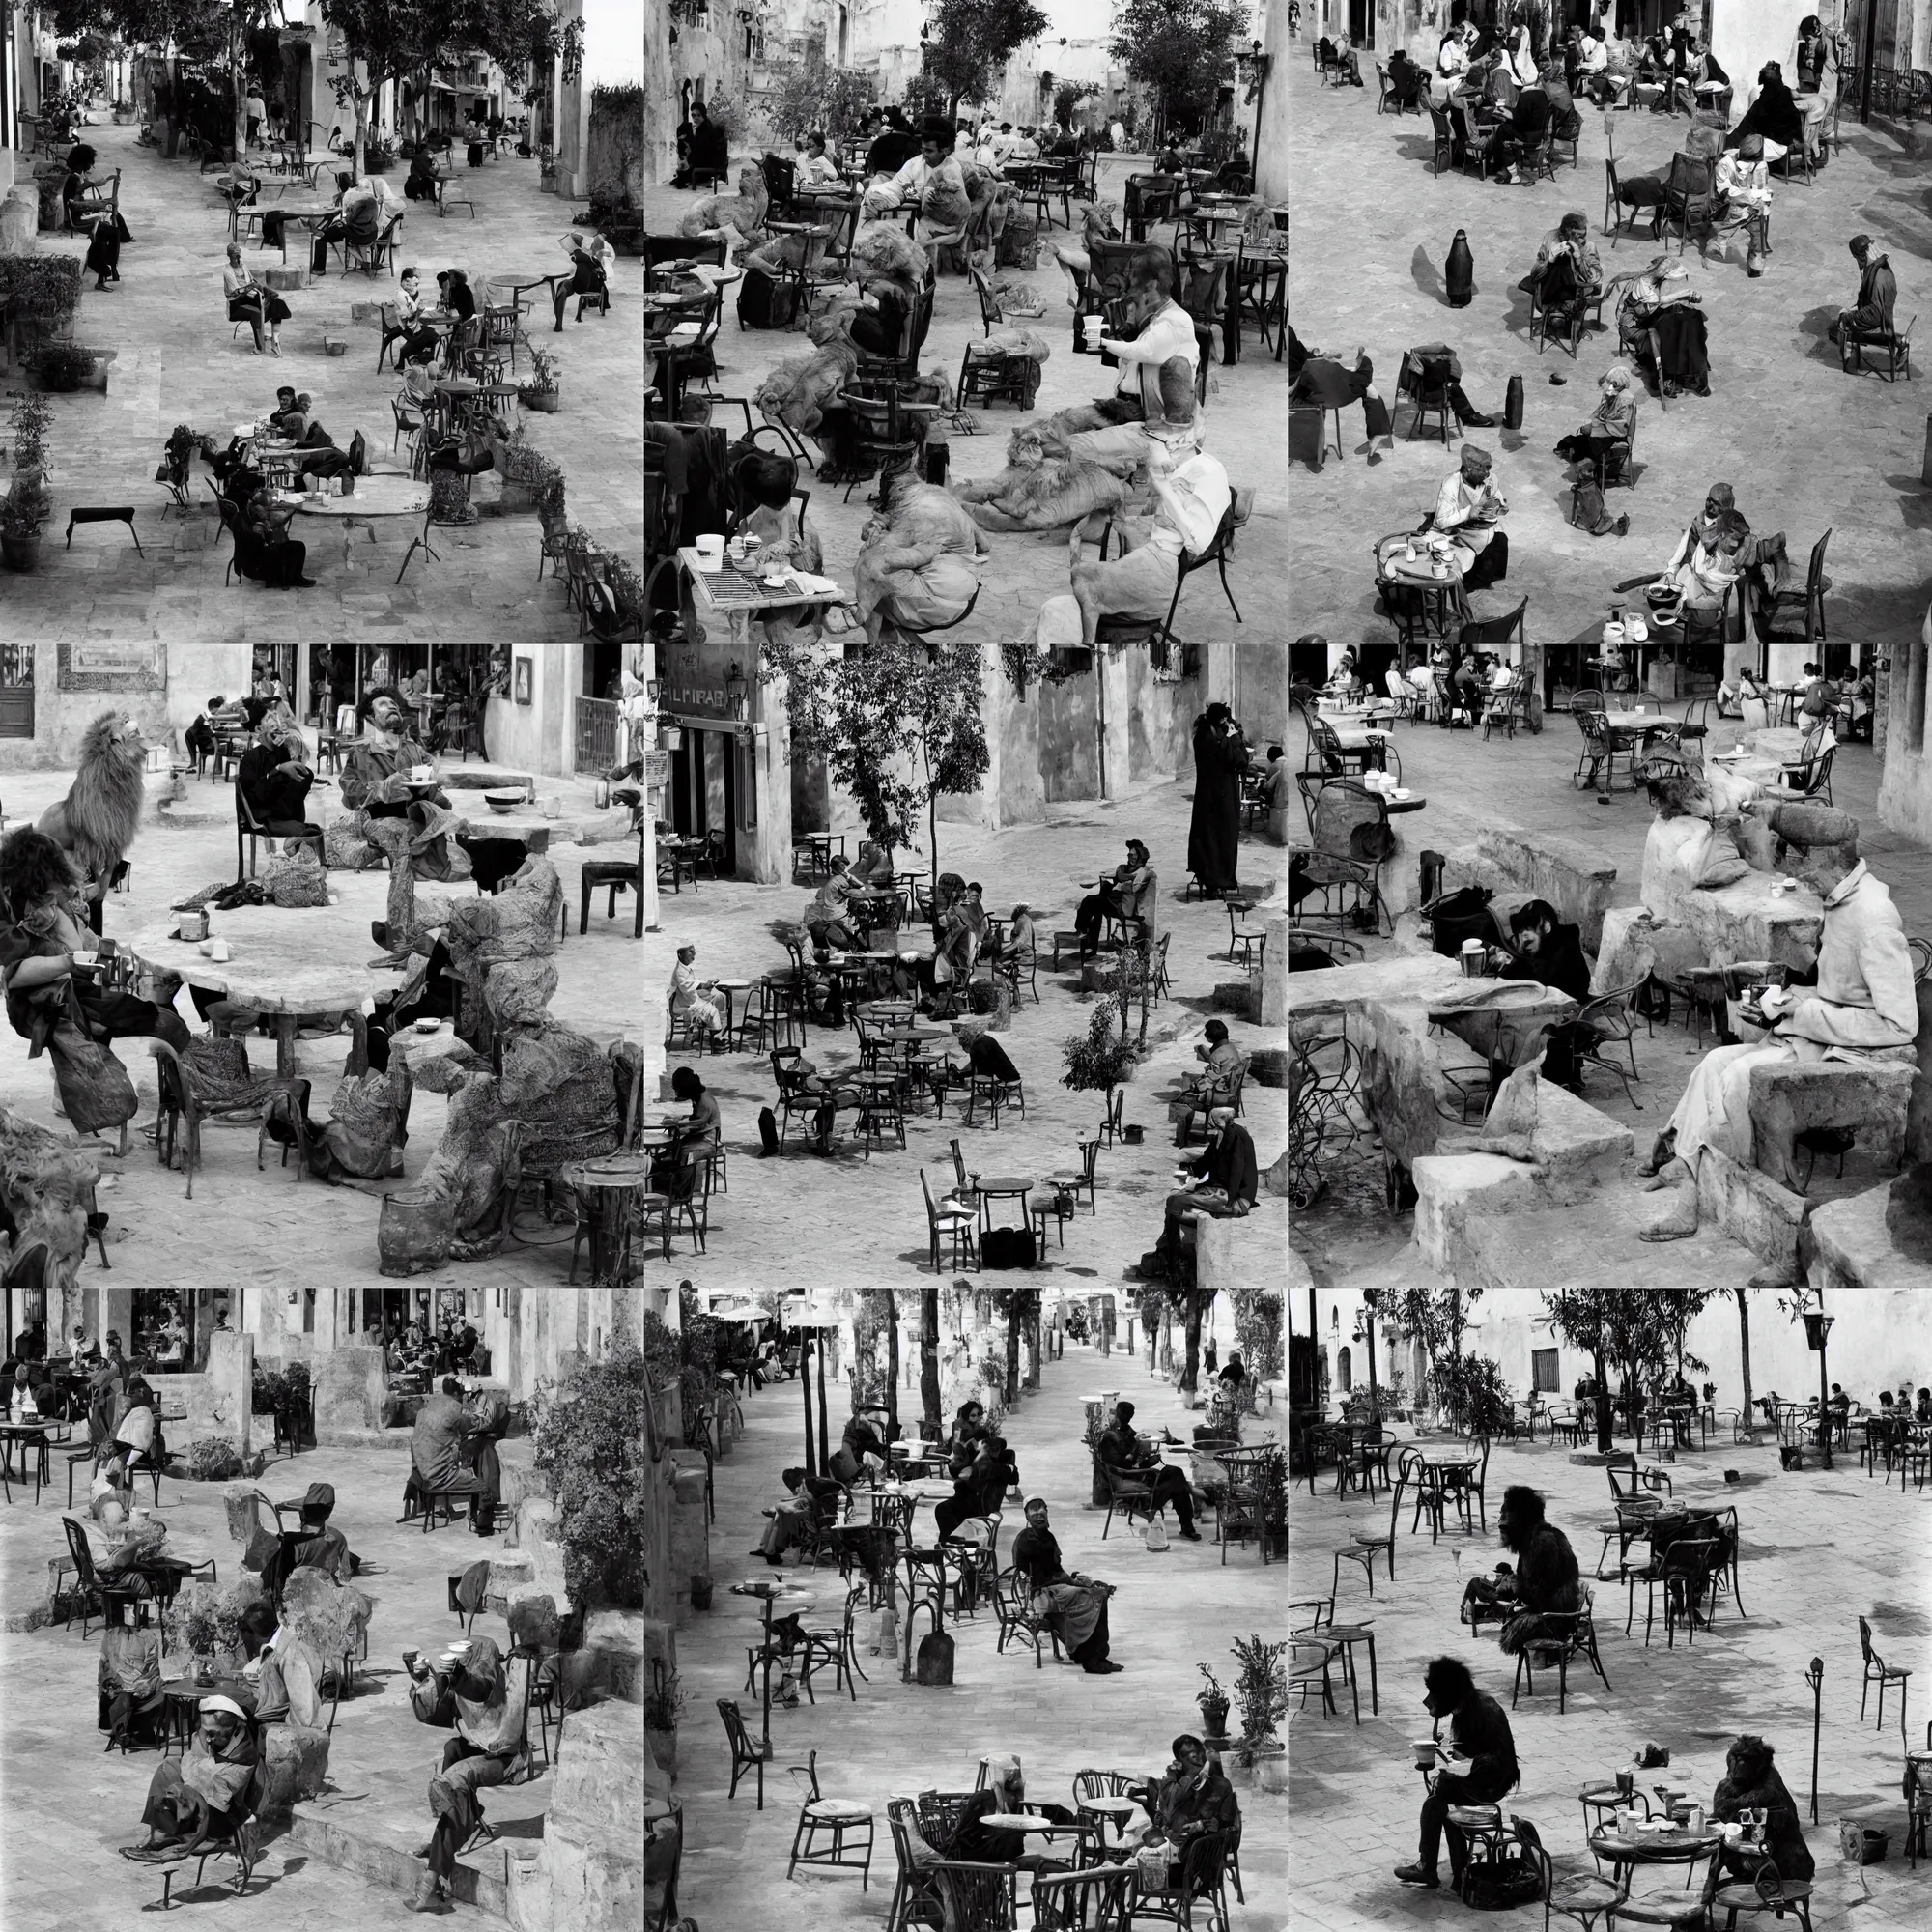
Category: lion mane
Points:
column 795, row 391
column 95, row 822
column 1062, row 489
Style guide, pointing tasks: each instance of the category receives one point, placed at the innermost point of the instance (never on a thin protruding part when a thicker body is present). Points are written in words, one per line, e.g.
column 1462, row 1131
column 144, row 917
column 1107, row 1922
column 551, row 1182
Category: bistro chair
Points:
column 1095, row 1900
column 1684, row 1908
column 1611, row 1019
column 832, row 1644
column 1201, row 1880
column 1364, row 1544
column 1572, row 1634
column 1012, row 1609
column 746, row 1754
column 1349, row 843
column 837, row 1821
column 1766, row 1892
column 1584, row 1897
column 1876, row 1672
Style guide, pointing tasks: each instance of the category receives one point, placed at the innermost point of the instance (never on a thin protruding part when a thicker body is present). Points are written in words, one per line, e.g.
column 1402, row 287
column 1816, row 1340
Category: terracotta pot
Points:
column 543, row 401
column 664, row 1747
column 21, row 552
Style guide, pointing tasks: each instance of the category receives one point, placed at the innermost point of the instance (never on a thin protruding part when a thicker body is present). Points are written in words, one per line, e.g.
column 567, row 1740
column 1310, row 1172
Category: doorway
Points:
column 1362, row 24
column 704, row 790
column 16, row 691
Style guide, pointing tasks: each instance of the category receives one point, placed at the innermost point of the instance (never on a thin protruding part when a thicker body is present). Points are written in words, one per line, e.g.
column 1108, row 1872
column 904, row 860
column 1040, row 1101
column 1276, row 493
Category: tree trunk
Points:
column 239, row 89
column 928, row 1357
column 932, row 838
column 1602, row 1370
column 891, row 1367
column 1743, row 1357
column 1190, row 1366
column 1012, row 1351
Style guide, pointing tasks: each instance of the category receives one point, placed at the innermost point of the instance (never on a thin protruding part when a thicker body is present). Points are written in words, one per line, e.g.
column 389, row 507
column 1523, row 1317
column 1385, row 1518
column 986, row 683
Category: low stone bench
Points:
column 1518, row 866
column 1849, row 1244
column 1791, row 1098
column 1747, row 920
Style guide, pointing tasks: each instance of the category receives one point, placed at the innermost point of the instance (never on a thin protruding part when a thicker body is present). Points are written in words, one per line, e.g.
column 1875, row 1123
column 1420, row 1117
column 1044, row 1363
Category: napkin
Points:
column 815, row 587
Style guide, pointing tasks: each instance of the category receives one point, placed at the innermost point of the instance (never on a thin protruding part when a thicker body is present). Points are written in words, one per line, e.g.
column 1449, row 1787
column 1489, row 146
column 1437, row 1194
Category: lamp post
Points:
column 1815, row 1677
column 1817, row 1329
column 1255, row 66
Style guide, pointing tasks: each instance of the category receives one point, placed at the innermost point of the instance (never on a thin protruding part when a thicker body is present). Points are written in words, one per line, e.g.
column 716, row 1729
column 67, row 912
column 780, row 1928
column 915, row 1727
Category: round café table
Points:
column 1643, row 1848
column 611, row 1187
column 372, row 496
column 997, row 1187
column 288, row 962
column 1115, row 1810
column 730, row 988
column 32, row 1436
column 773, row 1594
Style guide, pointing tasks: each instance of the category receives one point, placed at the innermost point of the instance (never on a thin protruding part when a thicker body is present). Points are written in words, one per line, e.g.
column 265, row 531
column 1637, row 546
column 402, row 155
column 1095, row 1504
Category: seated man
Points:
column 1547, row 1575
column 1120, row 1449
column 1470, row 507
column 128, row 1679
column 1334, row 385
column 473, row 1696
column 980, row 1489
column 1481, row 1768
column 1871, row 313
column 375, row 774
column 1551, row 954
column 1226, row 1176
column 1742, row 183
column 1074, row 1605
column 1567, row 270
column 435, row 1441
column 1863, row 1003
column 1489, row 1599
column 1189, row 498
column 861, row 1449
column 1434, row 365
column 692, row 999
column 1161, row 331
column 275, row 775
column 918, row 562
column 1612, row 425
column 791, row 1519
column 1188, row 1799
column 1752, row 1783
column 1122, row 895
column 203, row 1795
column 1707, row 562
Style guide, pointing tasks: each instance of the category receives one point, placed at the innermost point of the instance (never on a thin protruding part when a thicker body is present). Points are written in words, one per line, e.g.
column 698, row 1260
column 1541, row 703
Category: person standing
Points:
column 1481, row 1770
column 1214, row 829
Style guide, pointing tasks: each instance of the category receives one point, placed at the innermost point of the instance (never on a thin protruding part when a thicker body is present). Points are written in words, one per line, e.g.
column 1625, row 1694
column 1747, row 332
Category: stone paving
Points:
column 1818, row 1551
column 1805, row 446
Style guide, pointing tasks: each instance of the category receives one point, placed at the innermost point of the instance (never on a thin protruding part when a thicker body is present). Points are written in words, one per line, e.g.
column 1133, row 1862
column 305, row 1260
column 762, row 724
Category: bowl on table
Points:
column 503, row 801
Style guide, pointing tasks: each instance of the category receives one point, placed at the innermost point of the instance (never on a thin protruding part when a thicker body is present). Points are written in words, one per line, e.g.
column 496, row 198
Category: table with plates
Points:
column 287, row 962
column 374, row 497
column 181, row 1705
column 1651, row 1847
column 773, row 1594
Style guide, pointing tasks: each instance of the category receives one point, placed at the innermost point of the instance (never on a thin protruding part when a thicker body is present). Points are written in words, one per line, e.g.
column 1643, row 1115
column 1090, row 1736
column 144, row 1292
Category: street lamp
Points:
column 1817, row 1330
column 1255, row 67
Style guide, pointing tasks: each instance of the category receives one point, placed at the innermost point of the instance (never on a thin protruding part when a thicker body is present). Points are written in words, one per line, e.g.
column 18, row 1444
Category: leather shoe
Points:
column 1422, row 1875
column 1479, row 422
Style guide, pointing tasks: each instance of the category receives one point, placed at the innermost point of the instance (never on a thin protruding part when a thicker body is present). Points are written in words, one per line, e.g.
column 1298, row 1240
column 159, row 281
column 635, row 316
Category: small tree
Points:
column 1100, row 1060
column 811, row 94
column 969, row 39
column 1181, row 51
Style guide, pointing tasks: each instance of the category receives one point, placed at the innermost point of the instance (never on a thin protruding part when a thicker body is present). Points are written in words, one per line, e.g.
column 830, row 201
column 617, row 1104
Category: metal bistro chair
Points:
column 1349, row 843
column 1583, row 1896
column 1876, row 1672
column 1572, row 1634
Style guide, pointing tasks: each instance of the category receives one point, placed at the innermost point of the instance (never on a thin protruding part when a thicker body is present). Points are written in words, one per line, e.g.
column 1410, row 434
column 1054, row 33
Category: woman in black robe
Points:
column 1775, row 115
column 1214, row 833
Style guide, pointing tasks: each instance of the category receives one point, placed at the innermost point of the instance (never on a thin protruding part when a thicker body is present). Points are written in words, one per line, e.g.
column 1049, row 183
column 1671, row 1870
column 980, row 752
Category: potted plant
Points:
column 1214, row 1702
column 1099, row 1495
column 1261, row 1686
column 1272, row 1503
column 27, row 508
column 211, row 1628
column 1102, row 1059
column 540, row 391
column 663, row 1704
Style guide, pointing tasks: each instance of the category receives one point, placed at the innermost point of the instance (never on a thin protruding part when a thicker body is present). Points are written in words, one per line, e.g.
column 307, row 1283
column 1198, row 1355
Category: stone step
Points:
column 481, row 1879
column 1594, row 1242
column 1853, row 1248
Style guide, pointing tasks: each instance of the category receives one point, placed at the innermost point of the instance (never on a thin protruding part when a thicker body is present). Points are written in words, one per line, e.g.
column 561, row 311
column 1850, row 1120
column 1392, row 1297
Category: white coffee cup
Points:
column 710, row 551
column 220, row 952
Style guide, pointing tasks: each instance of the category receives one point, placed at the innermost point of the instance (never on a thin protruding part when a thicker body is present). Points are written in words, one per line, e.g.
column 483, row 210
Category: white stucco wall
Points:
column 1744, row 33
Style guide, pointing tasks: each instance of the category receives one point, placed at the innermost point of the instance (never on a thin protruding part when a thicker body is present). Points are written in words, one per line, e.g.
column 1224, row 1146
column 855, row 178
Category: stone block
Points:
column 229, row 1380
column 1575, row 1146
column 615, row 1663
column 1742, row 920
column 1343, row 989
column 349, row 1384
column 535, row 1536
column 292, row 276
column 1572, row 878
column 1849, row 1243
column 509, row 1571
column 297, row 1761
column 1452, row 1189
column 603, row 1776
column 1402, row 1088
column 334, row 1617
column 690, row 1538
column 1749, row 1206
column 1919, row 1115
column 19, row 219
column 1795, row 1097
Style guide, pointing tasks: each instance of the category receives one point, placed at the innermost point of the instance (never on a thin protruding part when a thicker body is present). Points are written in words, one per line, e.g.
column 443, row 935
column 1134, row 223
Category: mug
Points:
column 1625, row 1783
column 1472, row 959
column 193, row 925
column 710, row 551
column 219, row 951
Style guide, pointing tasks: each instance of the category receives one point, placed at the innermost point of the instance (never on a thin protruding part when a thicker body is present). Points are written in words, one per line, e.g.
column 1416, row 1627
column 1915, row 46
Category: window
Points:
column 1345, row 1371
column 1543, row 1370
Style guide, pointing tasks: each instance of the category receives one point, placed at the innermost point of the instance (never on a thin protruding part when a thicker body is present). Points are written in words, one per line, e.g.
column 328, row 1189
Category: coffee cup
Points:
column 84, row 958
column 1625, row 1783
column 421, row 774
column 219, row 951
column 1425, row 1750
column 710, row 551
column 1473, row 957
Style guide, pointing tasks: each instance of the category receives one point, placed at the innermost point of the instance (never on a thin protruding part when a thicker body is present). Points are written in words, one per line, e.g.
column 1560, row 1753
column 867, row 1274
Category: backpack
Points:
column 764, row 304
column 1006, row 1248
column 1503, row 1886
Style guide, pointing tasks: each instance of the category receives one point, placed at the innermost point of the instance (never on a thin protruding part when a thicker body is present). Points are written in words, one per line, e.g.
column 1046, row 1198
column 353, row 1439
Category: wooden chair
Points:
column 948, row 1223
column 1129, row 1495
column 94, row 1590
column 1446, row 138
column 1810, row 600
column 185, row 1101
column 616, row 875
column 1614, row 219
column 1583, row 1896
column 836, row 1820
column 253, row 829
column 746, row 1755
column 1894, row 344
column 1876, row 1672
column 1365, row 1544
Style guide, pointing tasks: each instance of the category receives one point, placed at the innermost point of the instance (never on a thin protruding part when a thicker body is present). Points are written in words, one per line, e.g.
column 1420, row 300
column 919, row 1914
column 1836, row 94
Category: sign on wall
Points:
column 104, row 664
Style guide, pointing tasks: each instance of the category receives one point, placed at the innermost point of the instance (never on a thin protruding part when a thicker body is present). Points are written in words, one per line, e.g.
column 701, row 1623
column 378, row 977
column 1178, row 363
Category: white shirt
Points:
column 255, row 107
column 1193, row 499
column 1169, row 332
column 1452, row 58
column 1467, row 509
column 1593, row 57
column 812, row 169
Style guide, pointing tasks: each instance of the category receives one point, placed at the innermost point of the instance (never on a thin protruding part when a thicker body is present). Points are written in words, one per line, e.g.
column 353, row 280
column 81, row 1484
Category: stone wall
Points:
column 1518, row 866
column 218, row 1402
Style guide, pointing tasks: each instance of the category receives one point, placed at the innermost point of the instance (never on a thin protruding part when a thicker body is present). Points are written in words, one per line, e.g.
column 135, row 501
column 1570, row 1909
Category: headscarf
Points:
column 1480, row 460
column 227, row 1704
column 491, row 1722
column 1617, row 377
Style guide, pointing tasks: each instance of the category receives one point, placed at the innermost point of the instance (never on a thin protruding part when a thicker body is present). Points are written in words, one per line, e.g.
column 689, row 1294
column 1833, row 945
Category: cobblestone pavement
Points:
column 1806, row 448
column 1818, row 1551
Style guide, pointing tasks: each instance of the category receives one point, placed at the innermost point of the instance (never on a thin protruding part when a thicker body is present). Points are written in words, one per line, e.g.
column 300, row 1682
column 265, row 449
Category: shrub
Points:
column 210, row 1460
column 62, row 366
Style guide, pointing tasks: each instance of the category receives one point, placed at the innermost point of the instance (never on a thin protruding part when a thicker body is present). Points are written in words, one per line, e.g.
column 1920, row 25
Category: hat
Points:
column 1479, row 459
column 1861, row 241
column 226, row 1705
column 319, row 1496
column 1220, row 1116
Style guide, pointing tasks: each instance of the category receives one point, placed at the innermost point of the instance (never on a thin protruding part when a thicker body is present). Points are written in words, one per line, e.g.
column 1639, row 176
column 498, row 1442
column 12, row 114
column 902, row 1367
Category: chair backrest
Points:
column 1341, row 809
column 1814, row 578
column 1531, row 1841
column 83, row 1555
column 1864, row 1640
column 734, row 1730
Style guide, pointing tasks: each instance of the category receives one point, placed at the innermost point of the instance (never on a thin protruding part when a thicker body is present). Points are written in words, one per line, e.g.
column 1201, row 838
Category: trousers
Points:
column 1477, row 1788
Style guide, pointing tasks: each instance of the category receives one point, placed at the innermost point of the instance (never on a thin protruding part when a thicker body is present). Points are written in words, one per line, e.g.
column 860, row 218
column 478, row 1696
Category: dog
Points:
column 740, row 216
column 797, row 391
column 1043, row 487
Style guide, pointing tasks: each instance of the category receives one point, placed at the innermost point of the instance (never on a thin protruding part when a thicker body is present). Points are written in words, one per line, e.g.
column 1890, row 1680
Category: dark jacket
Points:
column 1036, row 1557
column 1558, row 962
column 1480, row 1731
column 273, row 795
column 1121, row 1448
column 710, row 150
column 983, row 1488
column 1546, row 1573
column 1184, row 1813
column 1230, row 1165
column 1532, row 117
column 1783, row 1832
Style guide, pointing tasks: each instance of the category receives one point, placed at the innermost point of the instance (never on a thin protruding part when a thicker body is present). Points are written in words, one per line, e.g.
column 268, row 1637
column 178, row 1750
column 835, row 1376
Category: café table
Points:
column 728, row 593
column 821, row 843
column 1106, row 1811
column 1032, row 1821
column 288, row 963
column 373, row 498
column 1643, row 1848
column 181, row 1705
column 770, row 1594
column 33, row 1437
column 610, row 1187
column 990, row 1188
column 308, row 214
